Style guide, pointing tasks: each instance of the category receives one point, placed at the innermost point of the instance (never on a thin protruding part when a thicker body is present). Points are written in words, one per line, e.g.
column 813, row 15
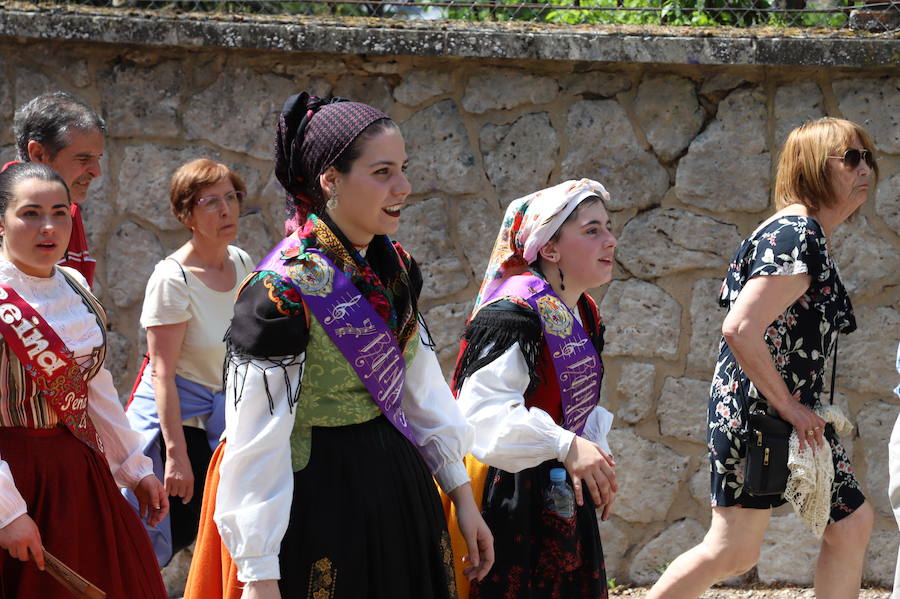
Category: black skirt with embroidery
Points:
column 539, row 555
column 341, row 543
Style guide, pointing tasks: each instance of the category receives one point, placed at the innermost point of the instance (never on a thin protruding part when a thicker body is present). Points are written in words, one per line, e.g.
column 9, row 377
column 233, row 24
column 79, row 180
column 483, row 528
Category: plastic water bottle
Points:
column 559, row 498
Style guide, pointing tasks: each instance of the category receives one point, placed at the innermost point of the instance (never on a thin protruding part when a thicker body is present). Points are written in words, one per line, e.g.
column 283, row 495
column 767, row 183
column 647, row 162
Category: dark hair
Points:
column 48, row 119
column 21, row 171
column 344, row 162
column 193, row 176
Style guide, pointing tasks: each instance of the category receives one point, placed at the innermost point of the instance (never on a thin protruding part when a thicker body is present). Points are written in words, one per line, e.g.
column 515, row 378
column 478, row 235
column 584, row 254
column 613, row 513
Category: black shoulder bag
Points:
column 766, row 464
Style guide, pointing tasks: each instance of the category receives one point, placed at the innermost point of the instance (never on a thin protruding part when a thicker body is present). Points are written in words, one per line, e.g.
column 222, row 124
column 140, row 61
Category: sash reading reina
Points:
column 350, row 321
column 578, row 367
column 49, row 363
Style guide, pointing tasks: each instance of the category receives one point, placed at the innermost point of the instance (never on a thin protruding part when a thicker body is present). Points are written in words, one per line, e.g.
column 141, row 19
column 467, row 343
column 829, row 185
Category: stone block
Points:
column 255, row 236
column 479, row 222
column 425, row 233
column 145, row 174
column 881, row 557
column 788, row 552
column 502, row 89
column 706, row 325
column 614, row 537
column 663, row 241
column 98, row 211
column 668, row 111
column 595, row 84
column 440, row 157
column 257, row 98
column 876, row 421
column 637, row 461
column 421, row 85
column 176, row 572
column 887, row 201
column 519, row 158
column 641, row 320
column 699, row 485
column 795, row 104
column 866, row 360
column 374, row 91
column 874, row 104
column 635, row 390
column 682, row 409
column 603, row 146
column 151, row 104
column 652, row 559
column 446, row 323
column 131, row 255
column 720, row 84
column 727, row 166
column 6, row 103
column 117, row 353
column 867, row 262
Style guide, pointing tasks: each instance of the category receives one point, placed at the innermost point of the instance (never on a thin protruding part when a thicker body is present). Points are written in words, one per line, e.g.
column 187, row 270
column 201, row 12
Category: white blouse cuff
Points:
column 11, row 503
column 563, row 443
column 451, row 476
column 264, row 567
column 133, row 470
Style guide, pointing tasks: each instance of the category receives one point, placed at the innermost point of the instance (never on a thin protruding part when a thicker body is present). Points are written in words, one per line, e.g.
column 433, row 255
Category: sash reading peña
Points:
column 49, row 363
column 577, row 365
column 351, row 322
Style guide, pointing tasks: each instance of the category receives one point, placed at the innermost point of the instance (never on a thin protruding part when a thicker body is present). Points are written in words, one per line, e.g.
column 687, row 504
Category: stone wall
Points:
column 686, row 150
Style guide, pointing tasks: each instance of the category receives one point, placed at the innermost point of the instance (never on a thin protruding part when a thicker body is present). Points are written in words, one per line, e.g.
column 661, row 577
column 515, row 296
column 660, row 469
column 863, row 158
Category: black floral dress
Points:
column 800, row 340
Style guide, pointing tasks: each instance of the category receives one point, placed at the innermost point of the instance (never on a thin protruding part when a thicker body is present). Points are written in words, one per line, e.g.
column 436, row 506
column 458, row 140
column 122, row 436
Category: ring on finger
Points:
column 810, row 432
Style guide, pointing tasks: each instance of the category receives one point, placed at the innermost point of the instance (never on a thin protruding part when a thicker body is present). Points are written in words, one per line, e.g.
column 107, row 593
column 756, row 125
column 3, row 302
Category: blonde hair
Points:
column 802, row 176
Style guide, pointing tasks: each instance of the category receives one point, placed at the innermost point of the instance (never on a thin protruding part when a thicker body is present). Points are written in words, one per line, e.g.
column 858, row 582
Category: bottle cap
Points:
column 557, row 475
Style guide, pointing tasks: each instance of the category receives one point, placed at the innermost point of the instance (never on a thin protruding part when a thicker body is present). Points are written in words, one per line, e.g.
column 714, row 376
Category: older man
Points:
column 67, row 135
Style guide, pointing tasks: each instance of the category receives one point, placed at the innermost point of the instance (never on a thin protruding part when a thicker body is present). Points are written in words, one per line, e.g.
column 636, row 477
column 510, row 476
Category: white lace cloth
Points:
column 812, row 474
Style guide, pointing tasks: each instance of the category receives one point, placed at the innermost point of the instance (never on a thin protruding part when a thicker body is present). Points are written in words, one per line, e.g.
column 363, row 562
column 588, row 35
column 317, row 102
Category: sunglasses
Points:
column 852, row 157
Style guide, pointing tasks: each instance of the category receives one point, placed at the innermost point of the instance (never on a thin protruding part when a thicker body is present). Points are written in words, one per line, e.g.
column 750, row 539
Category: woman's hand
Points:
column 588, row 464
column 20, row 537
column 153, row 503
column 179, row 476
column 479, row 540
column 261, row 589
column 808, row 425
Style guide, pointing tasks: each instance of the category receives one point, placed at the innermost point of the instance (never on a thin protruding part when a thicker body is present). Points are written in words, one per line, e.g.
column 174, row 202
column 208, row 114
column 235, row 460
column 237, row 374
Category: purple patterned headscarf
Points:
column 312, row 135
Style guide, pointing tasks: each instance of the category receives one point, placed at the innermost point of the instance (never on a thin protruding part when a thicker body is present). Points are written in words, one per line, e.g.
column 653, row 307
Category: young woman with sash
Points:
column 528, row 378
column 337, row 412
column 65, row 445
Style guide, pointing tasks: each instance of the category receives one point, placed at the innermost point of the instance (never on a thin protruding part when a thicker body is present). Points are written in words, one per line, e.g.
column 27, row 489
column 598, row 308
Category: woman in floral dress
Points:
column 787, row 305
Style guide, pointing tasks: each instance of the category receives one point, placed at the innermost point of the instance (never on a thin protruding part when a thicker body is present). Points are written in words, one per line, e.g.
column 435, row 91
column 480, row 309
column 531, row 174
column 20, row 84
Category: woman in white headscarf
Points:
column 528, row 378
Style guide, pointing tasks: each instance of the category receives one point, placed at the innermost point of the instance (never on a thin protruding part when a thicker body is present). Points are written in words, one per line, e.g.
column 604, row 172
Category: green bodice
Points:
column 331, row 392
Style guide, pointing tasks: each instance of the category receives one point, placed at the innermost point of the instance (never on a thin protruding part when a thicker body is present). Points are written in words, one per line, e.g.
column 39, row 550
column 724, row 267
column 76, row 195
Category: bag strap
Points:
column 834, row 365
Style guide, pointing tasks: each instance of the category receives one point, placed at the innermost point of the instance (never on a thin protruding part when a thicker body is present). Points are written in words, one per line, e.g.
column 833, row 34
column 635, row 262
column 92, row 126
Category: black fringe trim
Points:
column 240, row 362
column 493, row 331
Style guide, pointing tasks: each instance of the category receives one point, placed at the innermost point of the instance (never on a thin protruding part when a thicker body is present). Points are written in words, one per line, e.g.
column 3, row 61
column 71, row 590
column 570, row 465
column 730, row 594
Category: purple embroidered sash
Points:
column 578, row 367
column 351, row 322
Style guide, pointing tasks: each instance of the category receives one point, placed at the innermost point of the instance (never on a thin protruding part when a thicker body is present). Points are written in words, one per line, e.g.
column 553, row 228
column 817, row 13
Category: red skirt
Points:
column 81, row 516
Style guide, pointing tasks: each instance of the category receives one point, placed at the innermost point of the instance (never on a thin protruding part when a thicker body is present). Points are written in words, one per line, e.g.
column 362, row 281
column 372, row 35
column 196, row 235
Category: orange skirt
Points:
column 477, row 473
column 213, row 575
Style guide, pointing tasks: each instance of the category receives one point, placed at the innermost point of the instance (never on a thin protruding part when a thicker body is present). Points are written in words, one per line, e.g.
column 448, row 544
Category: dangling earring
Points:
column 562, row 285
column 332, row 202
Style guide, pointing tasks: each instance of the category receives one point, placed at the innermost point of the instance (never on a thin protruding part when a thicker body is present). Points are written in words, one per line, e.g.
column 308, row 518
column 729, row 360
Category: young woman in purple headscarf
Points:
column 337, row 412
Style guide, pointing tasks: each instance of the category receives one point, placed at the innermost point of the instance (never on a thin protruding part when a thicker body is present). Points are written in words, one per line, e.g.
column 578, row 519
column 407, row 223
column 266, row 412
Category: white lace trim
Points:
column 812, row 474
column 55, row 300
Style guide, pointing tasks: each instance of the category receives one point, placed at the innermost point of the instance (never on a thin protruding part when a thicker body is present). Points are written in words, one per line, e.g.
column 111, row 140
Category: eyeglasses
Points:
column 217, row 203
column 852, row 157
